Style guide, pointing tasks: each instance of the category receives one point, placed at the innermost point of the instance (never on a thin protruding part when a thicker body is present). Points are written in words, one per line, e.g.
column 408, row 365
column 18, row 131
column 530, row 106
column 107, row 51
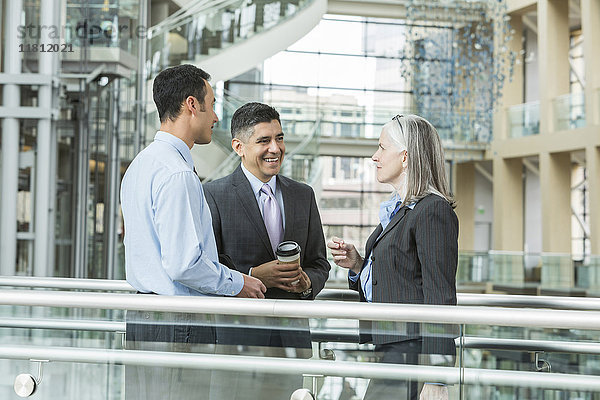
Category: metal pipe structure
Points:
column 66, row 283
column 448, row 375
column 464, row 299
column 322, row 335
column 560, row 319
column 10, row 140
column 548, row 346
column 113, row 178
column 62, row 324
column 45, row 170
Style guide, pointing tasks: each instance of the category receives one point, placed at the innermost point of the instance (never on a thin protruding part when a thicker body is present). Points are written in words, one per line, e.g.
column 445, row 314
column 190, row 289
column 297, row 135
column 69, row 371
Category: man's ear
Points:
column 191, row 104
column 237, row 145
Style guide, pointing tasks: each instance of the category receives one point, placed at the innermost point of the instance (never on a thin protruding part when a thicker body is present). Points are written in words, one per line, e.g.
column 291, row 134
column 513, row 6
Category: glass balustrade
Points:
column 587, row 275
column 569, row 111
column 524, row 119
column 473, row 271
column 528, row 273
column 208, row 27
column 507, row 360
column 549, row 352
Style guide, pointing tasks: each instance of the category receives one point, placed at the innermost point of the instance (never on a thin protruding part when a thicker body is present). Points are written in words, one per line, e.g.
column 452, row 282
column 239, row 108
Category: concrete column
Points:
column 508, row 204
column 553, row 52
column 592, row 157
column 465, row 204
column 555, row 183
column 590, row 25
column 10, row 142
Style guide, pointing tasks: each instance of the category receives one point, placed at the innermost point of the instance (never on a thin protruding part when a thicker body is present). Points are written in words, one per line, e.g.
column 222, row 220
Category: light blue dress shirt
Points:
column 170, row 247
column 386, row 211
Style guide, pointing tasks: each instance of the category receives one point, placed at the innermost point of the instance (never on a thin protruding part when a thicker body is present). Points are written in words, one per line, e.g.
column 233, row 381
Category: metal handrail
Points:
column 323, row 335
column 449, row 375
column 185, row 14
column 67, row 283
column 548, row 346
column 464, row 299
column 560, row 319
column 63, row 324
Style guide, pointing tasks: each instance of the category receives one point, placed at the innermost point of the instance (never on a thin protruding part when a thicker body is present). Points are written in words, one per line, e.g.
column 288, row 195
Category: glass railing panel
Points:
column 66, row 380
column 569, row 111
column 524, row 119
column 507, row 268
column 533, row 351
column 558, row 271
column 489, row 350
column 213, row 27
column 422, row 345
column 587, row 276
column 51, row 326
column 473, row 269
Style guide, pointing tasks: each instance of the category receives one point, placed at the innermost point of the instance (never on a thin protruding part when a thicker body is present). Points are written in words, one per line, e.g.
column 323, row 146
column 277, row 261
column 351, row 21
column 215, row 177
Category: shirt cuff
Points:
column 250, row 271
column 352, row 276
column 237, row 283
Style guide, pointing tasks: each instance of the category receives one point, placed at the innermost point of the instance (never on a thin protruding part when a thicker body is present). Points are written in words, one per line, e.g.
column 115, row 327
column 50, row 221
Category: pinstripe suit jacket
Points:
column 414, row 262
column 241, row 234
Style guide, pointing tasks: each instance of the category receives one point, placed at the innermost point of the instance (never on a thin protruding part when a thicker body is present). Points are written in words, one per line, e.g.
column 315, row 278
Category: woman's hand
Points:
column 345, row 254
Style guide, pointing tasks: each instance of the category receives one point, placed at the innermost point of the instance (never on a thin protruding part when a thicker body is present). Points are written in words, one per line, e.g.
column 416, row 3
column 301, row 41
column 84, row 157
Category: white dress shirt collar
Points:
column 257, row 184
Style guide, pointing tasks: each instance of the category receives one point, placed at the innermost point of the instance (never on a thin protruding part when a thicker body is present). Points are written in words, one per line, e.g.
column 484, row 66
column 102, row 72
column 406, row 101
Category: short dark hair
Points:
column 173, row 85
column 247, row 116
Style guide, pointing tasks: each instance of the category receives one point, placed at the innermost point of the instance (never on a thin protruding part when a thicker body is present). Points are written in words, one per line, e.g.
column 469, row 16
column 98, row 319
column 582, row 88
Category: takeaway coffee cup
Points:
column 288, row 252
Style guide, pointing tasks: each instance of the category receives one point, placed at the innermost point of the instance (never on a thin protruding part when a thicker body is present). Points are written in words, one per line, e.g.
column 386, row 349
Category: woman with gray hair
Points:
column 411, row 257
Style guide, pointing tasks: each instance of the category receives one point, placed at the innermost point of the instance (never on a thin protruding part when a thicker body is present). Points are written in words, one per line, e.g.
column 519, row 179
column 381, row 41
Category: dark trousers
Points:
column 170, row 332
column 406, row 352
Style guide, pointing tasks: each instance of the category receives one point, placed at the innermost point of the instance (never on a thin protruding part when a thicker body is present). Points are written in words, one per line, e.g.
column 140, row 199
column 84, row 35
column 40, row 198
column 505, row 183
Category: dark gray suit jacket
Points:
column 241, row 234
column 414, row 262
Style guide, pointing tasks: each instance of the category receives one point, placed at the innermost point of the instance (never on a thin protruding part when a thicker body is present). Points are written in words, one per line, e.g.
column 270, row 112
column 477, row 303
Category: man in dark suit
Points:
column 253, row 210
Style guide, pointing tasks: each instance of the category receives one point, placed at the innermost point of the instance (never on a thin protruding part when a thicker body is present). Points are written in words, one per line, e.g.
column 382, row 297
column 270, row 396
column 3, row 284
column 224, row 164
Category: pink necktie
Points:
column 272, row 217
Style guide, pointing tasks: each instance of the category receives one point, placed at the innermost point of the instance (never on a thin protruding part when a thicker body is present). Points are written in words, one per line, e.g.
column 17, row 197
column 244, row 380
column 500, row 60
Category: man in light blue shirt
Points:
column 170, row 247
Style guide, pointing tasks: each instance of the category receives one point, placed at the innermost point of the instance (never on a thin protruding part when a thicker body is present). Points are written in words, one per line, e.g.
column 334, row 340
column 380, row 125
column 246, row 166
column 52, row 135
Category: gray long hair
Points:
column 426, row 173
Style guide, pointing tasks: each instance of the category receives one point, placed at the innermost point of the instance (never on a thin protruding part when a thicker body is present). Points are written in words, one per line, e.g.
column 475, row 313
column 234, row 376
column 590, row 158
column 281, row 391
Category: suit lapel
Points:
column 395, row 220
column 246, row 198
column 370, row 244
column 288, row 207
